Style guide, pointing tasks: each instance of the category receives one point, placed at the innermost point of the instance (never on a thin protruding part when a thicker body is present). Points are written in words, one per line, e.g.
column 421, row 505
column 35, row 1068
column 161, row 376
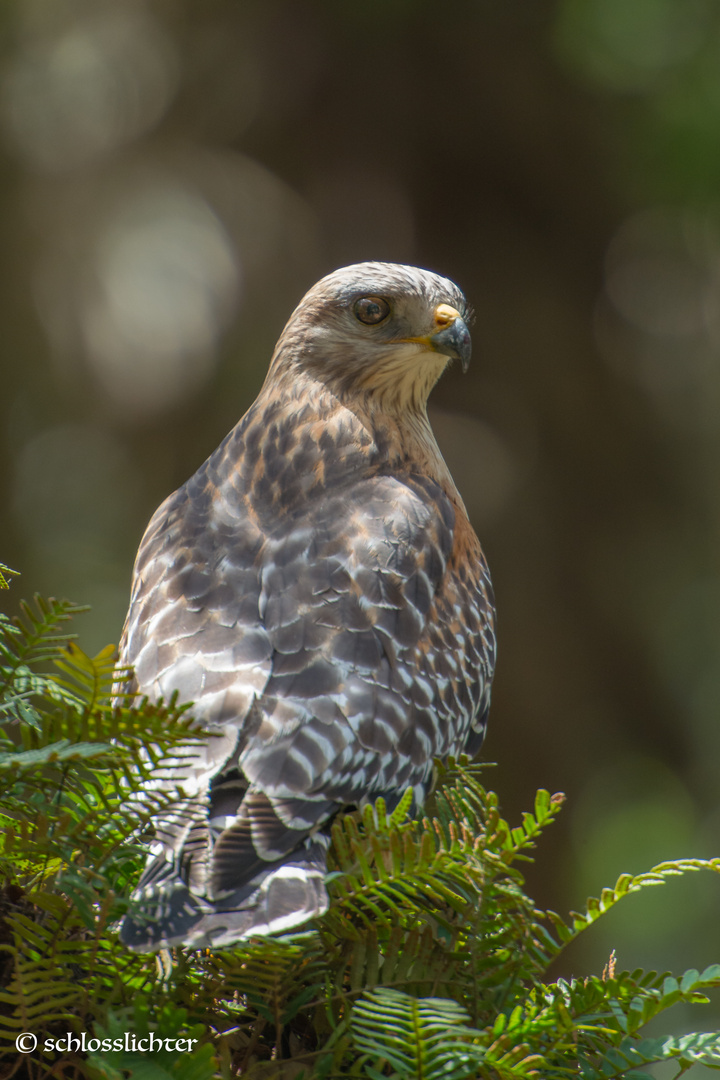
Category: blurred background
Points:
column 174, row 176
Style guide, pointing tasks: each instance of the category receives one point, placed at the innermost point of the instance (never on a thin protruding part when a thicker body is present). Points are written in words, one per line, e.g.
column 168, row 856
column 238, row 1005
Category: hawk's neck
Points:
column 313, row 429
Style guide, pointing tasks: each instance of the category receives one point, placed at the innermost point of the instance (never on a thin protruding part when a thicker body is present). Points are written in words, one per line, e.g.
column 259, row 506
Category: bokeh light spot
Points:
column 165, row 286
column 72, row 96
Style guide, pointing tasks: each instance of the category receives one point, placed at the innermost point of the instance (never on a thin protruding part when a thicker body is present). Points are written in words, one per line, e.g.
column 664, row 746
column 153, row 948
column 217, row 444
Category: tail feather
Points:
column 285, row 895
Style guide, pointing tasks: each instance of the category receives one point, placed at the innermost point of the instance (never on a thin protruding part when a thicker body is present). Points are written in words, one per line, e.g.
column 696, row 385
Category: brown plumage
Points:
column 317, row 590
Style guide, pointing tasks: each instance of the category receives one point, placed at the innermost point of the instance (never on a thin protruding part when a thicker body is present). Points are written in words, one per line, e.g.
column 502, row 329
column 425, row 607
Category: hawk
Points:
column 317, row 591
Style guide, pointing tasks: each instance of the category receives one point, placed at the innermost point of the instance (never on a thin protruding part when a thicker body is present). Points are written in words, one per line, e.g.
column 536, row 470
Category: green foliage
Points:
column 425, row 1037
column 430, row 963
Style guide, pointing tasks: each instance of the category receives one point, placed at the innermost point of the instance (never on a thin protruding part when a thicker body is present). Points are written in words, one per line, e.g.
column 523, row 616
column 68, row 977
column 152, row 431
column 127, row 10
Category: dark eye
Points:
column 371, row 309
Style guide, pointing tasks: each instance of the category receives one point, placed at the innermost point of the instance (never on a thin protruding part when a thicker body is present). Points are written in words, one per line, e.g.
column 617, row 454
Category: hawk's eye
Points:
column 371, row 309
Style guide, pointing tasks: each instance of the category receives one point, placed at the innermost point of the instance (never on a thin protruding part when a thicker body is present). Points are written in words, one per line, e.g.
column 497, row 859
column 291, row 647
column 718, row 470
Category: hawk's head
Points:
column 379, row 329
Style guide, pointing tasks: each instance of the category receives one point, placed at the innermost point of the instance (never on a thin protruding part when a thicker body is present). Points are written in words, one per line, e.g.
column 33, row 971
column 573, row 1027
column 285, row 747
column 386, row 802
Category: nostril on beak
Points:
column 445, row 315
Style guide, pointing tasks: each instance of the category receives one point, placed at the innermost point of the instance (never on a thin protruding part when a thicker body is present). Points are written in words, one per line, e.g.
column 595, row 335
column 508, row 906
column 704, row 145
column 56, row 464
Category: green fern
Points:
column 426, row 1038
column 431, row 961
column 5, row 574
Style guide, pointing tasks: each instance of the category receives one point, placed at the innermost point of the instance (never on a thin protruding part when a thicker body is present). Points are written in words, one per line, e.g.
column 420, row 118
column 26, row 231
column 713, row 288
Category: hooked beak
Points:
column 452, row 337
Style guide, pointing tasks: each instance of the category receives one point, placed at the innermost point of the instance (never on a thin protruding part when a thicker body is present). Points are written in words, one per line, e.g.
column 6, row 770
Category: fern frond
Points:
column 417, row 1037
column 5, row 574
column 626, row 1059
column 90, row 679
column 37, row 632
column 624, row 886
column 45, row 984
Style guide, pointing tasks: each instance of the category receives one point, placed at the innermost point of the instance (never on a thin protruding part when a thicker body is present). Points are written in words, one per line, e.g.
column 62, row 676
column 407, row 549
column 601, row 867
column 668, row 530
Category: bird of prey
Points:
column 317, row 590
